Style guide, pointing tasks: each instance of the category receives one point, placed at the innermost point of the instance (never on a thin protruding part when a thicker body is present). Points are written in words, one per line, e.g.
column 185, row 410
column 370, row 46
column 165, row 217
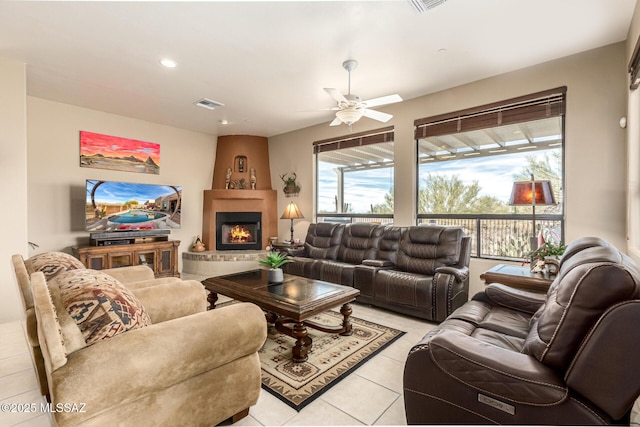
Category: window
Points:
column 469, row 160
column 354, row 179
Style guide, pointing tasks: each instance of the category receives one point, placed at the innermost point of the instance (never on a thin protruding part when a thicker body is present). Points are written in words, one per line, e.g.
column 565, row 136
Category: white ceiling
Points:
column 268, row 61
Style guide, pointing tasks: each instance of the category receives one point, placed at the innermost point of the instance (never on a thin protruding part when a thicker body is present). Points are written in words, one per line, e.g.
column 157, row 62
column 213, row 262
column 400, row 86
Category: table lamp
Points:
column 292, row 212
column 523, row 193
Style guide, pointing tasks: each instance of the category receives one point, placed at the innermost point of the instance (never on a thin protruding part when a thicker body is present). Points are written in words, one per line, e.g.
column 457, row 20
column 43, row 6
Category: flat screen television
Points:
column 127, row 206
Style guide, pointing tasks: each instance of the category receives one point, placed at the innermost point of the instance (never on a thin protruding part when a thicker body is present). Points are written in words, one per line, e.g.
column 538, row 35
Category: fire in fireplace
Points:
column 238, row 234
column 238, row 230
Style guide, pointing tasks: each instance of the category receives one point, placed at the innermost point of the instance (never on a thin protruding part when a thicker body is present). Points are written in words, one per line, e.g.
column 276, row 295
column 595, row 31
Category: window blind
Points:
column 536, row 106
column 634, row 67
column 354, row 140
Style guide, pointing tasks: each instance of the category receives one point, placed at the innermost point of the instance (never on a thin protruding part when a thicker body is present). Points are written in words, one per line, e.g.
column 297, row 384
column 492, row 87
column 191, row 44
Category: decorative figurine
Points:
column 238, row 184
column 198, row 246
column 291, row 188
column 228, row 179
column 253, row 178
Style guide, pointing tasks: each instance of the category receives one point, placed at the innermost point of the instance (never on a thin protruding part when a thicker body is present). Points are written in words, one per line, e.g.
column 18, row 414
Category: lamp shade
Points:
column 292, row 212
column 521, row 194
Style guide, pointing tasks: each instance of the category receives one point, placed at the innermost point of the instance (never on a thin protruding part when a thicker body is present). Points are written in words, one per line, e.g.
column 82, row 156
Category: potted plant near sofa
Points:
column 549, row 254
column 274, row 261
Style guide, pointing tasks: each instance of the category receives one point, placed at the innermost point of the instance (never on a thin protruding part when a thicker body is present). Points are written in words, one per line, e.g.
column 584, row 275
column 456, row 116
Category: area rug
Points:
column 332, row 358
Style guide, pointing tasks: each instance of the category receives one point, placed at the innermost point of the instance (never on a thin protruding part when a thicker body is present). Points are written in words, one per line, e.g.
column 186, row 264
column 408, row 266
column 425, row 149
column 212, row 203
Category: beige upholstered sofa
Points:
column 52, row 263
column 148, row 356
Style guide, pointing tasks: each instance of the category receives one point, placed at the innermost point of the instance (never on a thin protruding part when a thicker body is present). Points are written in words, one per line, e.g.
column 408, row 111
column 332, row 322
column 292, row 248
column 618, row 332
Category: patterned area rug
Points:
column 332, row 357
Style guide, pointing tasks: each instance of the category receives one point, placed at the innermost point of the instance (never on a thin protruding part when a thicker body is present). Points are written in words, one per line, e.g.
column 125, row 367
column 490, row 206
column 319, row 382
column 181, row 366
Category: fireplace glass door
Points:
column 238, row 230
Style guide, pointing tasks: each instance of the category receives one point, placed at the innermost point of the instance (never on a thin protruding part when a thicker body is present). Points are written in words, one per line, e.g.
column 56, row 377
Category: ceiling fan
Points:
column 351, row 108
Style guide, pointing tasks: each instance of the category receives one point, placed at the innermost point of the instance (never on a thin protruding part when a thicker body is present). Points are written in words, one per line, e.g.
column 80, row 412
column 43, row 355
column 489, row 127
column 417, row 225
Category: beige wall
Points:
column 56, row 182
column 13, row 176
column 595, row 144
column 47, row 170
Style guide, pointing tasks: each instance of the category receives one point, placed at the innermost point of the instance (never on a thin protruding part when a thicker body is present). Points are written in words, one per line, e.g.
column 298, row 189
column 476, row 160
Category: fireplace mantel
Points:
column 239, row 201
column 240, row 194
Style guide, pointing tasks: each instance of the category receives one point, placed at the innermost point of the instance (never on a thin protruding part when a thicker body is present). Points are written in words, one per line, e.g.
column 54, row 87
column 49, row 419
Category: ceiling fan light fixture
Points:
column 168, row 63
column 349, row 116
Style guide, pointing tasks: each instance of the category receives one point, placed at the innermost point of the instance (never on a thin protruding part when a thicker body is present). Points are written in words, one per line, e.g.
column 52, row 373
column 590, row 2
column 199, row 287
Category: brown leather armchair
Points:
column 515, row 357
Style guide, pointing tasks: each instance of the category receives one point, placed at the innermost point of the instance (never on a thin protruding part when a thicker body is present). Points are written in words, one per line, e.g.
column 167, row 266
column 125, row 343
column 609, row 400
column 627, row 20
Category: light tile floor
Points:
column 372, row 395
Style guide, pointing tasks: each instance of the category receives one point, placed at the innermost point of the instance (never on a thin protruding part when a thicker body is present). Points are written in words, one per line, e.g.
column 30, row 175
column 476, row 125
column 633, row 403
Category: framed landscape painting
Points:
column 115, row 153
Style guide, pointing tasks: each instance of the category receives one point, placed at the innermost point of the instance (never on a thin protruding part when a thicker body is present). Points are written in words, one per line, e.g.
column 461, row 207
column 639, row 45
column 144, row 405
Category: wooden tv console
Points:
column 161, row 256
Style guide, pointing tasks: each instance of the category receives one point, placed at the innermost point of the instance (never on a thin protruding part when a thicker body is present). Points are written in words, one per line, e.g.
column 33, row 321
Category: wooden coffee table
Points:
column 288, row 305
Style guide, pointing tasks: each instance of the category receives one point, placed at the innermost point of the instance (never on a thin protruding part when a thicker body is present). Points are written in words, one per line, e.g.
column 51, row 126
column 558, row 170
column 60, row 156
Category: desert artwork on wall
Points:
column 115, row 153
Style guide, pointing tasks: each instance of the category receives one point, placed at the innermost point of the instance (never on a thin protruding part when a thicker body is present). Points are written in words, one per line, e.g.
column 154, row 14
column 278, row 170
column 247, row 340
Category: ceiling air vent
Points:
column 208, row 104
column 424, row 5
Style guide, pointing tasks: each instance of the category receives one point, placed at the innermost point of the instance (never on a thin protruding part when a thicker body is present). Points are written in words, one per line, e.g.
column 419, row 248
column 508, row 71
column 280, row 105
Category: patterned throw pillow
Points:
column 100, row 305
column 52, row 263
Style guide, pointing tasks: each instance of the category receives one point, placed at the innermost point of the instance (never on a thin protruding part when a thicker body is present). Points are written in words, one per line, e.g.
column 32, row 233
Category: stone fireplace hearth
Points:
column 241, row 184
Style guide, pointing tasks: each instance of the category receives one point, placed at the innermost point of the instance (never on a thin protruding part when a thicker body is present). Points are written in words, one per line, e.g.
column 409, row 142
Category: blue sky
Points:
column 120, row 192
column 364, row 188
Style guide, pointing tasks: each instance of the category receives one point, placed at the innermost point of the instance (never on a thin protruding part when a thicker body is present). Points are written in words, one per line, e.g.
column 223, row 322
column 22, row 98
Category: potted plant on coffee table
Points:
column 274, row 261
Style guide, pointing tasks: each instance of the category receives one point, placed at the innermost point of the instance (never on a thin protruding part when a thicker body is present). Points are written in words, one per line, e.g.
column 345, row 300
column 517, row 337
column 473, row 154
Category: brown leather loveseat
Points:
column 422, row 271
column 515, row 357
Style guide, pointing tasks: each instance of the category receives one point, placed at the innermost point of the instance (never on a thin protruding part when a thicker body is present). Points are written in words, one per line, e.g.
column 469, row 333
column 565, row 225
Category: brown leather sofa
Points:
column 514, row 357
column 421, row 271
column 321, row 243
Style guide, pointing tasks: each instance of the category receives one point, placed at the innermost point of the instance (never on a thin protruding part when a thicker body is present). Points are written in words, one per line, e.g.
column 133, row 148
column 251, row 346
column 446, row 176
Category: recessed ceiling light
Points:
column 169, row 63
column 224, row 122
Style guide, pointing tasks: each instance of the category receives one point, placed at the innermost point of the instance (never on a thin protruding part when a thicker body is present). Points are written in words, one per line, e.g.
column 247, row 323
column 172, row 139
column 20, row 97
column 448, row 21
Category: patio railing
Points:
column 492, row 236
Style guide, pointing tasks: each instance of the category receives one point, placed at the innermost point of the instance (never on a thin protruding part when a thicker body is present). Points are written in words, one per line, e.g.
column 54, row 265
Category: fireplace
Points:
column 240, row 187
column 238, row 230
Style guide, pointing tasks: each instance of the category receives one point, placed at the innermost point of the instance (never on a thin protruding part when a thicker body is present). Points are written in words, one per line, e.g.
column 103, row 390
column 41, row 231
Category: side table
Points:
column 518, row 277
column 287, row 248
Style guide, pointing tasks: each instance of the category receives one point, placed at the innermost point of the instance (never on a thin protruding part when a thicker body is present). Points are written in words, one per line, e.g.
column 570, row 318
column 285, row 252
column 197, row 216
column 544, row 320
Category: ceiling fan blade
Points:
column 383, row 100
column 335, row 122
column 377, row 115
column 335, row 94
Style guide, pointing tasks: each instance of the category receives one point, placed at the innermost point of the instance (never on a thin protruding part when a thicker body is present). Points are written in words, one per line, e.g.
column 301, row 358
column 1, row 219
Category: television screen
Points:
column 125, row 206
